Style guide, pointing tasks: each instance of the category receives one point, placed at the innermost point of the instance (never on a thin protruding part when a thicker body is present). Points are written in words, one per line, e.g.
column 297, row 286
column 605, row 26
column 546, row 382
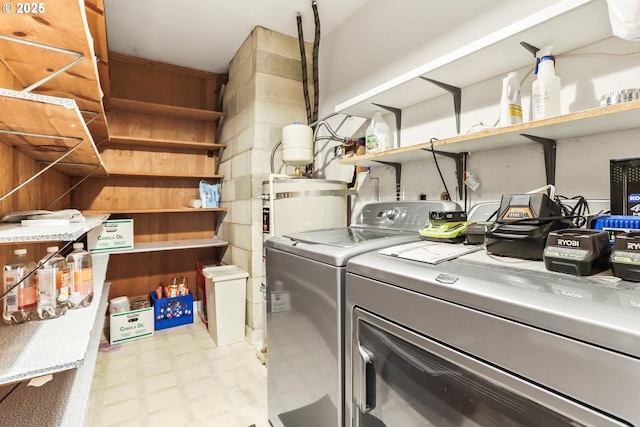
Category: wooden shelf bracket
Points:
column 457, row 98
column 79, row 57
column 549, row 147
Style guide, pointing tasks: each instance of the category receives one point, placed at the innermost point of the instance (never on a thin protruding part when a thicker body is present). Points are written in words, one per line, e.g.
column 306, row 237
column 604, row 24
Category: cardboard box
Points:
column 170, row 312
column 111, row 235
column 131, row 325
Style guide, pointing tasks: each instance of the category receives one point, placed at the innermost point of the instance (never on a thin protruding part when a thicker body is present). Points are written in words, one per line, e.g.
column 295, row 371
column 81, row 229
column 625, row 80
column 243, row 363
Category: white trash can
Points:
column 226, row 287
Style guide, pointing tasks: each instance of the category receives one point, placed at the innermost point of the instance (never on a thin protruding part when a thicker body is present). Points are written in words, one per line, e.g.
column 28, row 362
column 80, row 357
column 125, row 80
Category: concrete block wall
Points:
column 264, row 94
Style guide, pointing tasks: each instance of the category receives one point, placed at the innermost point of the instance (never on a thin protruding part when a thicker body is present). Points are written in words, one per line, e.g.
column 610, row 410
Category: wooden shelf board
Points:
column 50, row 127
column 173, row 245
column 61, row 25
column 158, row 210
column 135, row 106
column 590, row 122
column 34, row 349
column 152, row 175
column 133, row 141
column 497, row 54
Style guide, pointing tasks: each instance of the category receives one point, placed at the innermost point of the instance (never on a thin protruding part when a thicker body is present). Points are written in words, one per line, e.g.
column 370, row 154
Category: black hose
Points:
column 303, row 61
column 316, row 48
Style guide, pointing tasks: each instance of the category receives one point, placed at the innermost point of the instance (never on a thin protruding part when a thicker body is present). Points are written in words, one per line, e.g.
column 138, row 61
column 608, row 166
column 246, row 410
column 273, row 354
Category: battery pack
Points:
column 625, row 256
column 578, row 252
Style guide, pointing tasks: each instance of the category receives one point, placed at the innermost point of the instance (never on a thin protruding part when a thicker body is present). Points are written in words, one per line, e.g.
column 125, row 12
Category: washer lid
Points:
column 341, row 237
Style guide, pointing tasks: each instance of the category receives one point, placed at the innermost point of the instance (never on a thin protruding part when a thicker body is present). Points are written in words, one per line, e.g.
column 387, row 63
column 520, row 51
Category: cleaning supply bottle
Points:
column 378, row 135
column 510, row 103
column 81, row 273
column 545, row 91
column 52, row 283
column 19, row 304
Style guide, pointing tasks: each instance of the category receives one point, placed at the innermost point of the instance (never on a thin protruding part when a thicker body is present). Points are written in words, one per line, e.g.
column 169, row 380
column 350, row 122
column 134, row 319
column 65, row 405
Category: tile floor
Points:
column 178, row 378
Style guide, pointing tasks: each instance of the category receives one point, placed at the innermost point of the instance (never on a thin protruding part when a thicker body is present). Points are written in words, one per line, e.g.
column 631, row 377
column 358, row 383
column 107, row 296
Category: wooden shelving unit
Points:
column 33, row 49
column 170, row 245
column 46, row 128
column 598, row 120
column 159, row 210
column 163, row 126
column 134, row 106
column 132, row 141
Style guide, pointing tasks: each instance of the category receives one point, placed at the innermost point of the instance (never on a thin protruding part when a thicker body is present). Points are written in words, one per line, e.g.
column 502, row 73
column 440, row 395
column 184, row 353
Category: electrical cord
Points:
column 435, row 160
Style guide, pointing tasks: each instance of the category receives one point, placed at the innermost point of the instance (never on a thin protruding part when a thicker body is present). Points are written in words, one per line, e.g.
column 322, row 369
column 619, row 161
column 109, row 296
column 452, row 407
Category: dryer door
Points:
column 401, row 378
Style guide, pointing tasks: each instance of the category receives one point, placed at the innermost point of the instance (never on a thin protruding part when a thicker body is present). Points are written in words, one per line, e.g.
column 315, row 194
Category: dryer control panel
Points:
column 401, row 215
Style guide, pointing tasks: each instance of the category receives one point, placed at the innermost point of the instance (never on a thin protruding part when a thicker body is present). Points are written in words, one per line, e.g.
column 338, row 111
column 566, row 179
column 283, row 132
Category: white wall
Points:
column 348, row 67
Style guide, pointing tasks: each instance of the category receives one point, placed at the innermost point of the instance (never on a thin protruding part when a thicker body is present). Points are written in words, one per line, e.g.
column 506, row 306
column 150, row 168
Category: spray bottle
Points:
column 545, row 91
column 510, row 103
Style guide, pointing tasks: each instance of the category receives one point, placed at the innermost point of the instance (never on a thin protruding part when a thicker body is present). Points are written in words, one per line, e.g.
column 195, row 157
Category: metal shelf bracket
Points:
column 457, row 98
column 460, row 159
column 549, row 147
column 398, row 115
column 398, row 169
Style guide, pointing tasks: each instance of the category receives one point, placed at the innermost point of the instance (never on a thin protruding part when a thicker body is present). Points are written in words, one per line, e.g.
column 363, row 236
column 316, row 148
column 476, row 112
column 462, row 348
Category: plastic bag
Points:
column 209, row 194
column 625, row 18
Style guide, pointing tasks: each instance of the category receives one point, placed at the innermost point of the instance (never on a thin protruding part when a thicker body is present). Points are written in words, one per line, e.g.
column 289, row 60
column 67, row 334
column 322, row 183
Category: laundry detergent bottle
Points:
column 545, row 90
column 510, row 103
column 378, row 135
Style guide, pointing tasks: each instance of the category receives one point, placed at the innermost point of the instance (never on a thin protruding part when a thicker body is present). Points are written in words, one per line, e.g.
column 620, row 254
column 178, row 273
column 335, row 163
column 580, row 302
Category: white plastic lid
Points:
column 78, row 245
column 224, row 272
column 52, row 249
column 20, row 252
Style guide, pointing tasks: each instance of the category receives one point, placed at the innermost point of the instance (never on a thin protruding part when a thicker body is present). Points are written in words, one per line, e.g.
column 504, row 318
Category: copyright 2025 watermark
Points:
column 23, row 8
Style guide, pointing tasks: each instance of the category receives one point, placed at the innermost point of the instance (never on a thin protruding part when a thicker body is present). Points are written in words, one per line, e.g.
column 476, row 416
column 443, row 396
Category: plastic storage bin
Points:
column 226, row 288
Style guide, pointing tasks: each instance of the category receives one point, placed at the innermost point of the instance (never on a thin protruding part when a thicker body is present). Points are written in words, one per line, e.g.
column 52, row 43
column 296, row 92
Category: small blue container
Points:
column 170, row 312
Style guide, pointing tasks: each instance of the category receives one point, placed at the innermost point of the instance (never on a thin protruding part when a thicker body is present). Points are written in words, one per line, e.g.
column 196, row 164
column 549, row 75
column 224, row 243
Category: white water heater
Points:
column 301, row 204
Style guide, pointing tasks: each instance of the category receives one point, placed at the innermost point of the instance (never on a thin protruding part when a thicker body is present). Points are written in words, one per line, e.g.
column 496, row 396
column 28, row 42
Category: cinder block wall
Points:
column 264, row 94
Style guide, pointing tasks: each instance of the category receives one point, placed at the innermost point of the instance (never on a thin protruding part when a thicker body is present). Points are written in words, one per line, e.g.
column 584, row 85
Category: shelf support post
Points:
column 398, row 115
column 398, row 169
column 457, row 98
column 459, row 158
column 549, row 147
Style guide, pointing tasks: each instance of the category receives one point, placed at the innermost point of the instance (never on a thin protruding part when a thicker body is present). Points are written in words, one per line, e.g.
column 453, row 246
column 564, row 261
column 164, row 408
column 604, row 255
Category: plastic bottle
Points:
column 545, row 90
column 510, row 103
column 19, row 304
column 378, row 135
column 52, row 282
column 81, row 272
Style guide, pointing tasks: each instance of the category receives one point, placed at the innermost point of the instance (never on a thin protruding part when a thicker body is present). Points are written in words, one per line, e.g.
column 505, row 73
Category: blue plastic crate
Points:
column 170, row 312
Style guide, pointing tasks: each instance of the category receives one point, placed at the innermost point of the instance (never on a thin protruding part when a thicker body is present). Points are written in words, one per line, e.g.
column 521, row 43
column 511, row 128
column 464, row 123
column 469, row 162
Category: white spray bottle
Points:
column 545, row 91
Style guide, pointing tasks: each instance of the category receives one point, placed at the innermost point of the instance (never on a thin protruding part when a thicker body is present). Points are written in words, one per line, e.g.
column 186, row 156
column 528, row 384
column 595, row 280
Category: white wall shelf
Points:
column 38, row 348
column 15, row 233
column 173, row 245
column 590, row 122
column 567, row 25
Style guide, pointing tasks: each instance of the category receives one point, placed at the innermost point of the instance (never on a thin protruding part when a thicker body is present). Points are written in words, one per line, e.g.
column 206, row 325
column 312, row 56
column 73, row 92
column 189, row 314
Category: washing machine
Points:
column 305, row 274
column 439, row 337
